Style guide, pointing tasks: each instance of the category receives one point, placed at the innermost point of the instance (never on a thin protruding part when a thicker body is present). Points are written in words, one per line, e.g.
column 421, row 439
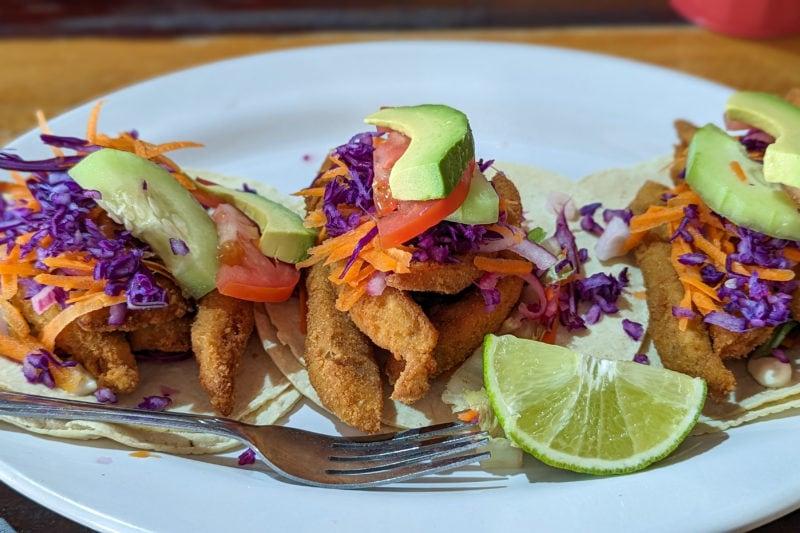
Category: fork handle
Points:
column 27, row 405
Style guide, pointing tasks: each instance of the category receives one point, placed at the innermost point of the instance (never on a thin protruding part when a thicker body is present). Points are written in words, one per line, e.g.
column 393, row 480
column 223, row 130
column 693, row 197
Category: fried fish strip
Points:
column 219, row 334
column 177, row 306
column 339, row 358
column 730, row 345
column 105, row 354
column 509, row 195
column 462, row 325
column 393, row 321
column 688, row 351
column 443, row 278
column 172, row 336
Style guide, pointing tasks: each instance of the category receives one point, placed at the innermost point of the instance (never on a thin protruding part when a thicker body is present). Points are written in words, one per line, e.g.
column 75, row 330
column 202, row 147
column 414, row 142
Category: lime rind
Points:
column 586, row 414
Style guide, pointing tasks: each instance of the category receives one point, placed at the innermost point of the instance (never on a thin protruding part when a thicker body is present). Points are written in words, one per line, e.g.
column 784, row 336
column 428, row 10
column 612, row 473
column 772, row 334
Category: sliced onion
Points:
column 610, row 242
column 535, row 253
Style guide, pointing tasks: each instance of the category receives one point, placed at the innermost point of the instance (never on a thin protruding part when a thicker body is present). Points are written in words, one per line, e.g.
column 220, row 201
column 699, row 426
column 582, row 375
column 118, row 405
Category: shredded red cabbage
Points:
column 641, row 358
column 36, row 367
column 63, row 223
column 105, row 395
column 748, row 301
column 155, row 403
column 635, row 330
column 247, row 457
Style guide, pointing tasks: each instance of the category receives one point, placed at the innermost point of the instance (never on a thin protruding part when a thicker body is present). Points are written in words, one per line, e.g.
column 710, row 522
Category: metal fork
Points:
column 299, row 455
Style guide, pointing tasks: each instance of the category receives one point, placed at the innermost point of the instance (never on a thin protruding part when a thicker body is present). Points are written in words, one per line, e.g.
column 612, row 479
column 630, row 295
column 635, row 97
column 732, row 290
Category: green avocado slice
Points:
column 156, row 209
column 441, row 147
column 779, row 118
column 753, row 202
column 283, row 235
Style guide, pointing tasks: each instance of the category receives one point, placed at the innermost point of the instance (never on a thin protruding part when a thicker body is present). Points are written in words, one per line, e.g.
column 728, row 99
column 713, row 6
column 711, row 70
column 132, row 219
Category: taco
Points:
column 718, row 249
column 124, row 279
column 399, row 287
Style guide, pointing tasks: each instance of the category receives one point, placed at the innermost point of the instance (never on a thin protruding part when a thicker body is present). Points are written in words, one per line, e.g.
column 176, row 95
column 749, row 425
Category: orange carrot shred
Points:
column 738, row 170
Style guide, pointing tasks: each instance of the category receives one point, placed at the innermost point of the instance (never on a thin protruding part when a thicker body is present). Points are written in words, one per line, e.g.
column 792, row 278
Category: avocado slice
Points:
column 156, row 209
column 283, row 235
column 441, row 147
column 753, row 202
column 779, row 118
column 481, row 206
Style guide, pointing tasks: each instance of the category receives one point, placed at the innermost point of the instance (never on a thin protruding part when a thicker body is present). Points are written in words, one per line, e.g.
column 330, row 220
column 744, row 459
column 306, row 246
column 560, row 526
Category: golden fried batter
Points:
column 172, row 336
column 339, row 358
column 730, row 345
column 177, row 306
column 443, row 278
column 219, row 335
column 688, row 351
column 396, row 323
column 106, row 355
column 509, row 195
column 463, row 324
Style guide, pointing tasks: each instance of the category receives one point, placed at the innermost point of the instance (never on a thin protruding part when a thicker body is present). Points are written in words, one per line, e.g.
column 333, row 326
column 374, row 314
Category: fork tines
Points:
column 411, row 446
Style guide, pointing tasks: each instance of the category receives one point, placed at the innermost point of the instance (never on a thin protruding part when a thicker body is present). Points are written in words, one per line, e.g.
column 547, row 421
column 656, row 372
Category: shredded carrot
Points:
column 655, row 216
column 65, row 317
column 737, row 169
column 16, row 349
column 470, row 416
column 502, row 265
column 70, row 282
column 71, row 263
column 91, row 127
column 792, row 254
column 314, row 192
column 19, row 269
column 716, row 255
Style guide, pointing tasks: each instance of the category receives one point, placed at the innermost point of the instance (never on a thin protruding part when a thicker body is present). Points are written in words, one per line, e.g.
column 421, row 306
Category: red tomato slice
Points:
column 384, row 157
column 413, row 217
column 246, row 273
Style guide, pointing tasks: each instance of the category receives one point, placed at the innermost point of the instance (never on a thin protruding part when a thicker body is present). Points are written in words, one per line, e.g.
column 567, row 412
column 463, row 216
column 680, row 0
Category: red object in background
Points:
column 752, row 19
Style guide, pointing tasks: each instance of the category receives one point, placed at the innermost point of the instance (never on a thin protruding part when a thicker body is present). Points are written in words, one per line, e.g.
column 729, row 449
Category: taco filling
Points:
column 719, row 251
column 114, row 259
column 423, row 250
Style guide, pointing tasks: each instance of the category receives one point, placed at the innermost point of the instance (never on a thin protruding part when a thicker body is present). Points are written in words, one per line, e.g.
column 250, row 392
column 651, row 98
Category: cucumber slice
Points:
column 156, row 209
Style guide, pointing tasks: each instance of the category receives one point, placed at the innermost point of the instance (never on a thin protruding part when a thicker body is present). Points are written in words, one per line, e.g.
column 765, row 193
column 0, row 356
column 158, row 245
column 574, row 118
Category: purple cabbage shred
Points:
column 105, row 395
column 36, row 367
column 63, row 223
column 155, row 403
column 247, row 457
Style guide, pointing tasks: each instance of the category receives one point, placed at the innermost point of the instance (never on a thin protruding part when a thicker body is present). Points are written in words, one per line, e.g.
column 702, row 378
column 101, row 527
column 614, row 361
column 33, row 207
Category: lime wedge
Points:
column 587, row 414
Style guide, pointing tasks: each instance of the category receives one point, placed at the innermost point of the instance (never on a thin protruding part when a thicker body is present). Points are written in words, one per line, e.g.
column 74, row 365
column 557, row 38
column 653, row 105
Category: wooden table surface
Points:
column 55, row 74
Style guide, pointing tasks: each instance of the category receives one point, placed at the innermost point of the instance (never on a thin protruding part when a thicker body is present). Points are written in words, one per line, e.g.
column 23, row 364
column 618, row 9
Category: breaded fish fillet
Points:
column 462, row 325
column 339, row 358
column 393, row 321
column 688, row 351
column 220, row 332
column 443, row 278
column 105, row 354
column 169, row 336
column 177, row 306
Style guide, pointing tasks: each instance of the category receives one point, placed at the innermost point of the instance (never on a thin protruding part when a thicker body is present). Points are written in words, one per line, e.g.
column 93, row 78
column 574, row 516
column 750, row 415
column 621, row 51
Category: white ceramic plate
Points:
column 272, row 117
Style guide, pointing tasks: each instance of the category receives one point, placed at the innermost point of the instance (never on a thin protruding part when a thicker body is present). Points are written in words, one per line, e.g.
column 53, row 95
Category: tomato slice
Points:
column 246, row 273
column 384, row 157
column 413, row 217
